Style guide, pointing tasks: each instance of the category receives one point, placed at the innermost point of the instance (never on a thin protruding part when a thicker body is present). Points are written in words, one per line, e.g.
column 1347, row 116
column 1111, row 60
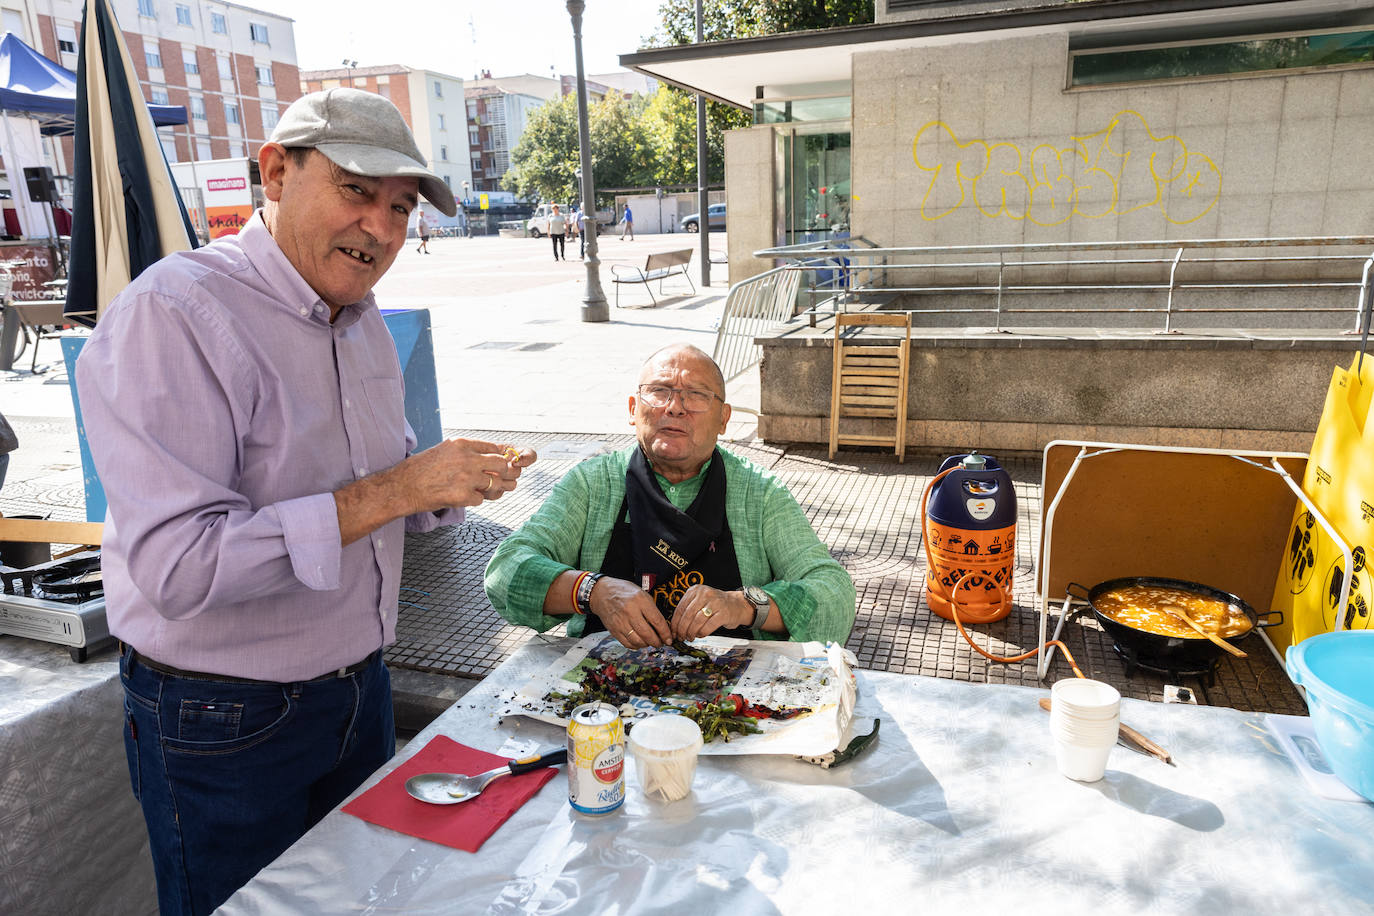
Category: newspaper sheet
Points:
column 775, row 674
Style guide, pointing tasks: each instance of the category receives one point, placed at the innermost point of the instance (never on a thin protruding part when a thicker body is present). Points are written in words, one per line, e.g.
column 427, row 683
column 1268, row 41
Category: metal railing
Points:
column 751, row 308
column 847, row 274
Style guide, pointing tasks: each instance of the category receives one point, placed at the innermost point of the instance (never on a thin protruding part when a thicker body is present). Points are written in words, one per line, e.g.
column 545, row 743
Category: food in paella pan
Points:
column 1153, row 608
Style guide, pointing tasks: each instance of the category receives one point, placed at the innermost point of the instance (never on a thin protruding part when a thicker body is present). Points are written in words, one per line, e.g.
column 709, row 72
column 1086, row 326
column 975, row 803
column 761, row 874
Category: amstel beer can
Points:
column 596, row 759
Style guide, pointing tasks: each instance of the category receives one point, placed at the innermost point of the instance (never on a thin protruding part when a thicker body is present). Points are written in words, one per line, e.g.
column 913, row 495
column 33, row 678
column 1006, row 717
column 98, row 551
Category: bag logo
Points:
column 1322, row 475
column 665, row 551
column 1302, row 555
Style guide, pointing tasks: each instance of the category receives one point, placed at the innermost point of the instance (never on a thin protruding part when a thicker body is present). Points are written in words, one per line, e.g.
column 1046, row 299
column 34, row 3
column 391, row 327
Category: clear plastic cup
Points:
column 665, row 748
column 1085, row 716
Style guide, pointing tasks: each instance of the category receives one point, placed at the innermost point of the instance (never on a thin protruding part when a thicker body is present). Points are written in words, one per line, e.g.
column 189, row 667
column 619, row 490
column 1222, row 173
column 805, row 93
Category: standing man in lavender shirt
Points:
column 244, row 406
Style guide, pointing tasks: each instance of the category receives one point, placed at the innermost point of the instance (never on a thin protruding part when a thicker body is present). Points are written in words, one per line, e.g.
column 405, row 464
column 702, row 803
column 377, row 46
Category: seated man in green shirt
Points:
column 674, row 537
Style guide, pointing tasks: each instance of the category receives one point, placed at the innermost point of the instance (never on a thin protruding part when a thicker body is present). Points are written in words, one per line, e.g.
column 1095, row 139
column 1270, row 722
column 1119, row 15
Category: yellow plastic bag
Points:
column 1340, row 481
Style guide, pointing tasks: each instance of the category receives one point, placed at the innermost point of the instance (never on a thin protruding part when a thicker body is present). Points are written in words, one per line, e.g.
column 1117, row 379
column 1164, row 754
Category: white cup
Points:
column 665, row 748
column 1085, row 716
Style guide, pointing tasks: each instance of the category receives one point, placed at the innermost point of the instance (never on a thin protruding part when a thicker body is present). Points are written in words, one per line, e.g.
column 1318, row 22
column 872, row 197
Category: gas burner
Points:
column 60, row 601
column 1206, row 675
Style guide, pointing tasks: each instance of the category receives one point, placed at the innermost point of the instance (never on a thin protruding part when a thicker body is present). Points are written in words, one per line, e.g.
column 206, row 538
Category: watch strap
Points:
column 761, row 605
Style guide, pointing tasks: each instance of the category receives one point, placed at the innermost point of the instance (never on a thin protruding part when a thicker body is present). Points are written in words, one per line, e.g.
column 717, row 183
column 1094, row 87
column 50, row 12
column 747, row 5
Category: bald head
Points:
column 681, row 351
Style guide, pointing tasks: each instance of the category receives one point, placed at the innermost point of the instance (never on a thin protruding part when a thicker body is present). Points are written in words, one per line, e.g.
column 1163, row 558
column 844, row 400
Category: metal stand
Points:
column 1089, row 450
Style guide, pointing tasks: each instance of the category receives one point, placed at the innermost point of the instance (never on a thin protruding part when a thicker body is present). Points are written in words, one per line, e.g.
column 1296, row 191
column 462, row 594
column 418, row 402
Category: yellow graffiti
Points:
column 1119, row 169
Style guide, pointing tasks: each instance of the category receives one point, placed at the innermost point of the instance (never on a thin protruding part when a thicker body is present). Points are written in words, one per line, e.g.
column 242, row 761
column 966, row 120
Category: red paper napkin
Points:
column 463, row 826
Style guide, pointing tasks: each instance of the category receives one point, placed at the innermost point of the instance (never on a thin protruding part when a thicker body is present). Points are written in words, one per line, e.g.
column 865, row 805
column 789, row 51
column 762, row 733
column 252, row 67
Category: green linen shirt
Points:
column 775, row 546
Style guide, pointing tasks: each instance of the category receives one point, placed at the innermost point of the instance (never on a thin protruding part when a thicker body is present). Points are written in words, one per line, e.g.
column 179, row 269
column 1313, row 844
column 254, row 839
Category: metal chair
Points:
column 34, row 317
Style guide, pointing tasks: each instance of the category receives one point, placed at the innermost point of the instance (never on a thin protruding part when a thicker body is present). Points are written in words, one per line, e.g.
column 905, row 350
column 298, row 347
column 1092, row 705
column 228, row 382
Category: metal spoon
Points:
column 453, row 788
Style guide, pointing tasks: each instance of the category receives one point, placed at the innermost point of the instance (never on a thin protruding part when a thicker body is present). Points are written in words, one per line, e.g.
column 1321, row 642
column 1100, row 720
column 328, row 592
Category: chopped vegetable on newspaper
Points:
column 748, row 696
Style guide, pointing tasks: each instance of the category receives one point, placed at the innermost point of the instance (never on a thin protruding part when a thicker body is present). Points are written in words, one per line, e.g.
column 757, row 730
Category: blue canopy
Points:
column 31, row 84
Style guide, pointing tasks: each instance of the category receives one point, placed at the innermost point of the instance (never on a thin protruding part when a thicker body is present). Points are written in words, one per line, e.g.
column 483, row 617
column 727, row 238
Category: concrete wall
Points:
column 1015, row 393
column 750, row 199
column 977, row 142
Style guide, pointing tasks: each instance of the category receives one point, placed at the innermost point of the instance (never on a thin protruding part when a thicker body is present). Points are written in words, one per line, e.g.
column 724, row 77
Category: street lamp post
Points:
column 594, row 307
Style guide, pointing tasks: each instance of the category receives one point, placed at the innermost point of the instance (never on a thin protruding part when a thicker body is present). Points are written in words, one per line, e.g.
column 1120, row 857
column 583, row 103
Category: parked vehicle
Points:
column 715, row 213
column 538, row 225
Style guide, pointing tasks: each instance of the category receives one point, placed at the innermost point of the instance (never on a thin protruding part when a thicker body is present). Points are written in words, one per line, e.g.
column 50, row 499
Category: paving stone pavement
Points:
column 865, row 507
column 488, row 300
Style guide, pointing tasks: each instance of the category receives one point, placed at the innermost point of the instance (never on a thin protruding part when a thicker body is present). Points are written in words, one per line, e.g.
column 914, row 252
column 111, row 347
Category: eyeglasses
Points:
column 694, row 400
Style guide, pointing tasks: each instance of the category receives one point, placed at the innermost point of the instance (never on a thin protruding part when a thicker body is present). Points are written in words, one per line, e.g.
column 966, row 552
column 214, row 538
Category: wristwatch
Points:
column 759, row 599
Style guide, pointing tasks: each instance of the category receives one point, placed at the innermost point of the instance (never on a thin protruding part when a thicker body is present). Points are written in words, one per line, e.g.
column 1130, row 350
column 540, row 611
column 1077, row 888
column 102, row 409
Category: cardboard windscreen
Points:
column 1202, row 516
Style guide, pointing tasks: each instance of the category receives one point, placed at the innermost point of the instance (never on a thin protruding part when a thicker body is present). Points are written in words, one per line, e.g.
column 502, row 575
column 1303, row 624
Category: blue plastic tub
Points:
column 1336, row 670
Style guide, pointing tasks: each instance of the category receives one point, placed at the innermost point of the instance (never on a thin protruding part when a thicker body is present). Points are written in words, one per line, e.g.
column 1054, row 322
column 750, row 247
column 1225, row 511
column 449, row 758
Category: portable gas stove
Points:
column 1206, row 675
column 60, row 601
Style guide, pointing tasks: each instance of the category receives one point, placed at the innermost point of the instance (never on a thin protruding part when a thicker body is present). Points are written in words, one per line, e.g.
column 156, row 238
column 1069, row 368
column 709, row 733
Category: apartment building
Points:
column 233, row 66
column 432, row 104
column 499, row 108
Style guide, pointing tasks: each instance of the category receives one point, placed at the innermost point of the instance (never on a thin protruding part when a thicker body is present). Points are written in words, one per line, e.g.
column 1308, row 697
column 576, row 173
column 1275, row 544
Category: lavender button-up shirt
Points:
column 222, row 409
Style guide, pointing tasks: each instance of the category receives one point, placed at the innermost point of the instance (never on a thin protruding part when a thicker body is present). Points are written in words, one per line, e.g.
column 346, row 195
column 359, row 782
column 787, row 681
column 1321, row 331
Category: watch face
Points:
column 757, row 596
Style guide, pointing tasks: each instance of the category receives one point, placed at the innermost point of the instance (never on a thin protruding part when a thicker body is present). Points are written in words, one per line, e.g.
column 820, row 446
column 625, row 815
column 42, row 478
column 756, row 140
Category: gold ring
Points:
column 490, row 481
column 706, row 611
column 631, row 633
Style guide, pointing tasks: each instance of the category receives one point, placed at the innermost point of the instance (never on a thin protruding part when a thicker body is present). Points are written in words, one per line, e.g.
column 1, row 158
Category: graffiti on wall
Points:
column 1121, row 168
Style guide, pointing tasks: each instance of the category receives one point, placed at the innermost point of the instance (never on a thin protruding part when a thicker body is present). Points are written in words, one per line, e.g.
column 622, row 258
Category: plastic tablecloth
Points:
column 958, row 807
column 72, row 838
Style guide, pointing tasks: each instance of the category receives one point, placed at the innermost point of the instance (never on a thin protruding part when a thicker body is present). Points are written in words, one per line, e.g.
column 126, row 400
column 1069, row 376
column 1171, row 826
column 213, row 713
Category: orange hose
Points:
column 954, row 603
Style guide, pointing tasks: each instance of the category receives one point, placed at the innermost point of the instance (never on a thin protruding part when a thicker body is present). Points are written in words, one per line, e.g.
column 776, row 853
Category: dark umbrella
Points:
column 126, row 210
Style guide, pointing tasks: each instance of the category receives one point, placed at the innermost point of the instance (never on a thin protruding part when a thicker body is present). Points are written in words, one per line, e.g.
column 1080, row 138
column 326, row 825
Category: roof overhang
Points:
column 733, row 71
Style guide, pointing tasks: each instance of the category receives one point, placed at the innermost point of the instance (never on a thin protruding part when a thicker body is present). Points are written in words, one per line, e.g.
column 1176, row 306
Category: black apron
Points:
column 664, row 550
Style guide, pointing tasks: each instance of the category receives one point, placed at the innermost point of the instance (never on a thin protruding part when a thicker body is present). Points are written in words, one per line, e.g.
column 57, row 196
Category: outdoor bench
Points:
column 658, row 267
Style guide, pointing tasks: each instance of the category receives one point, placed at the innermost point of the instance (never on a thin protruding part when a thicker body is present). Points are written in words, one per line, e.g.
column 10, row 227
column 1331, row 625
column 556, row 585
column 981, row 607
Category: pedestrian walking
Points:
column 629, row 219
column 422, row 230
column 558, row 230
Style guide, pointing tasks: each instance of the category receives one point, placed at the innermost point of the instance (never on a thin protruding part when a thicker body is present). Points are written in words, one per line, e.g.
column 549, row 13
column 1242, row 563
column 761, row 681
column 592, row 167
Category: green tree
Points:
column 544, row 163
column 751, row 18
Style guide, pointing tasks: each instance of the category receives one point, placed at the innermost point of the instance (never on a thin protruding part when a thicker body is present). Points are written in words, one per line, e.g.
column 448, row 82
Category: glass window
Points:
column 198, row 107
column 259, row 31
column 384, row 90
column 442, row 126
column 231, row 112
column 225, row 71
column 218, row 25
column 153, row 57
column 188, row 60
column 270, row 117
column 66, row 39
column 183, row 14
column 443, row 153
column 783, row 111
column 817, row 186
column 264, row 75
column 160, row 96
column 1217, row 58
column 146, row 8
column 203, row 151
column 438, row 89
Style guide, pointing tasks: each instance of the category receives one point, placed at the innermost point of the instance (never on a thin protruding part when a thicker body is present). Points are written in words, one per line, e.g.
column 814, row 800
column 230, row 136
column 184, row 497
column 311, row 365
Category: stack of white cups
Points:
column 1084, row 718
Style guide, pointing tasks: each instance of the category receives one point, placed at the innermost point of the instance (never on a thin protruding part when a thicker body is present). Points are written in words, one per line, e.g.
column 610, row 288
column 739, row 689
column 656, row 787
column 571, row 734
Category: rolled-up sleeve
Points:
column 549, row 544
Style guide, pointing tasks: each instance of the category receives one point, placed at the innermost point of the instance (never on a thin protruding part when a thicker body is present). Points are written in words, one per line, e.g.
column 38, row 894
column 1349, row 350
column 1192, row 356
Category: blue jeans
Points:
column 230, row 774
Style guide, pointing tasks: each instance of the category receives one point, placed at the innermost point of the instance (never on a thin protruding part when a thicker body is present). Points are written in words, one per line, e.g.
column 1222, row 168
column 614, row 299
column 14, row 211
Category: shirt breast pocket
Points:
column 386, row 404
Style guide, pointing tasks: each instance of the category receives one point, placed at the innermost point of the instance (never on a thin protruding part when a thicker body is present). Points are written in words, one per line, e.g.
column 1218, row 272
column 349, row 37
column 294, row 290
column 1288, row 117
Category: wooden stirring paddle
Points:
column 1183, row 615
